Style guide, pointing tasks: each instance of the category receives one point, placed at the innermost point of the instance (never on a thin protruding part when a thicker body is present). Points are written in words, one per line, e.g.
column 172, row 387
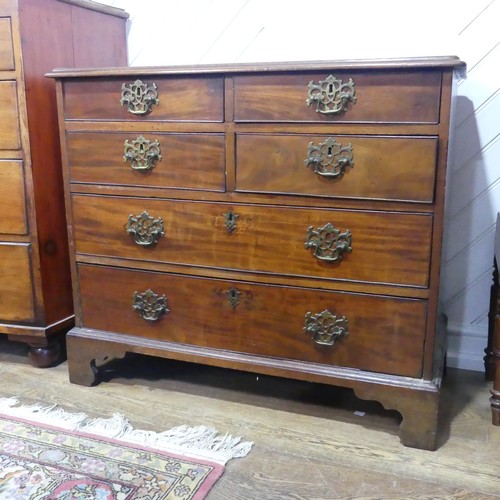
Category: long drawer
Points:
column 193, row 161
column 372, row 333
column 150, row 99
column 16, row 286
column 379, row 247
column 387, row 168
column 383, row 97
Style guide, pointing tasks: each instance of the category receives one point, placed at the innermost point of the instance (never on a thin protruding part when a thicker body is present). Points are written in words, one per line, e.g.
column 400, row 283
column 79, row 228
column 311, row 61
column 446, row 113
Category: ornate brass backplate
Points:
column 233, row 297
column 146, row 230
column 230, row 220
column 150, row 305
column 328, row 242
column 331, row 96
column 139, row 97
column 329, row 159
column 325, row 328
column 141, row 153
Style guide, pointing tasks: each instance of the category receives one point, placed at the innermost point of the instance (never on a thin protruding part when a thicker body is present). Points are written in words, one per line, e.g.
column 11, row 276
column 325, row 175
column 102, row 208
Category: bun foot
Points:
column 44, row 356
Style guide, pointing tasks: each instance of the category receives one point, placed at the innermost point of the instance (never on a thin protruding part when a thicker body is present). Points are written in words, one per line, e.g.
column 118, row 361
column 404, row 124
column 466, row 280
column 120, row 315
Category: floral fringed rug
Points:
column 48, row 453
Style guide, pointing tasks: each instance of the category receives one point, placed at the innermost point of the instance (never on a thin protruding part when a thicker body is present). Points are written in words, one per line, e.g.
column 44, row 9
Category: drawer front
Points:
column 383, row 97
column 193, row 161
column 12, row 200
column 386, row 247
column 6, row 48
column 16, row 288
column 383, row 334
column 157, row 99
column 9, row 121
column 385, row 168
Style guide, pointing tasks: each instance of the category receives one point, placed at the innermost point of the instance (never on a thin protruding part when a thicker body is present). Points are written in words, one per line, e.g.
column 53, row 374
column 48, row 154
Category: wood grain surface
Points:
column 384, row 97
column 184, row 99
column 188, row 161
column 385, row 168
column 386, row 247
column 268, row 320
column 309, row 443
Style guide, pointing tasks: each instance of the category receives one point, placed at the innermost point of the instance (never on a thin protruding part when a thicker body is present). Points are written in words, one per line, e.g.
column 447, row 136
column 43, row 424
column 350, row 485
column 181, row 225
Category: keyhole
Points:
column 330, row 88
column 330, row 151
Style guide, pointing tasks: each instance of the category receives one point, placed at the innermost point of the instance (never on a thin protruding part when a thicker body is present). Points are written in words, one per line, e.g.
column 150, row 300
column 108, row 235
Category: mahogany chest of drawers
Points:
column 35, row 281
column 284, row 219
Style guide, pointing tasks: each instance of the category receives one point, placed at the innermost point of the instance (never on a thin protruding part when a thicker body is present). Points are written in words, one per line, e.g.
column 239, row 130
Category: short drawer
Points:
column 367, row 97
column 9, row 118
column 384, row 168
column 378, row 334
column 12, row 199
column 145, row 99
column 379, row 247
column 6, row 47
column 16, row 287
column 192, row 161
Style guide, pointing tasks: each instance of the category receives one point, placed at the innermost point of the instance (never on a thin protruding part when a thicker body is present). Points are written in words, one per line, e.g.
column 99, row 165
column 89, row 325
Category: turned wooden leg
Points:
column 43, row 356
column 495, row 392
column 419, row 409
column 489, row 358
column 494, row 345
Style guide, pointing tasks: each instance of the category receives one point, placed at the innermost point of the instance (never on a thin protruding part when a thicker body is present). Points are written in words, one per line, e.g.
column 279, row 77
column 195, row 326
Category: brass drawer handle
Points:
column 141, row 153
column 326, row 328
column 330, row 159
column 331, row 96
column 139, row 97
column 328, row 242
column 146, row 230
column 150, row 305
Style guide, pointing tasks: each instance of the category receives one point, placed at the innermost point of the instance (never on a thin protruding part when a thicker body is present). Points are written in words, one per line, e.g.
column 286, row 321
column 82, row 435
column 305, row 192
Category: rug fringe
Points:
column 196, row 441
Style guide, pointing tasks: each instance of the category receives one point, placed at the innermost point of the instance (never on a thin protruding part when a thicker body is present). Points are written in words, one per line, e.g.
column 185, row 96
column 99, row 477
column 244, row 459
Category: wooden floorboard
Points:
column 311, row 441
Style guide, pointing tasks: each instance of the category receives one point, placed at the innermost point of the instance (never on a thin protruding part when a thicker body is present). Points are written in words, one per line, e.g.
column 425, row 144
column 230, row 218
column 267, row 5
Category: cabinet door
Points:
column 16, row 290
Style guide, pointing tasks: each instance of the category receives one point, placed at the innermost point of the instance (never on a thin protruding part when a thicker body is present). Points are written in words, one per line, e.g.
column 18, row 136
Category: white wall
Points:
column 165, row 32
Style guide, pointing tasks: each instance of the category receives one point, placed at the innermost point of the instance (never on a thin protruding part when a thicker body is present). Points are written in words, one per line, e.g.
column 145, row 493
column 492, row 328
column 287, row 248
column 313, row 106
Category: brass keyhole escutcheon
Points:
column 230, row 220
column 233, row 297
